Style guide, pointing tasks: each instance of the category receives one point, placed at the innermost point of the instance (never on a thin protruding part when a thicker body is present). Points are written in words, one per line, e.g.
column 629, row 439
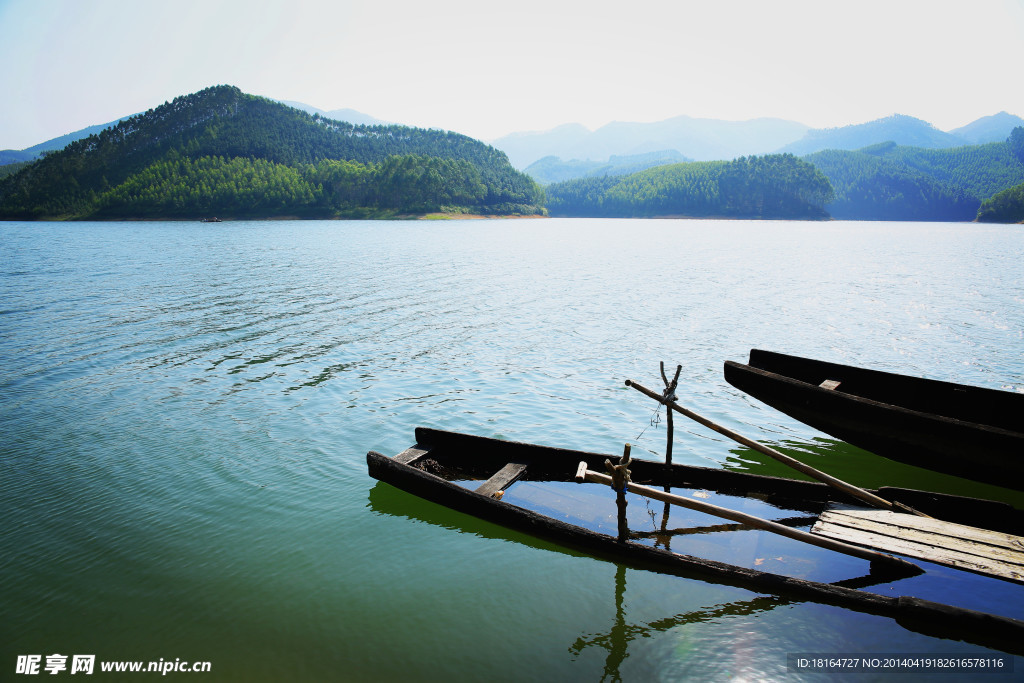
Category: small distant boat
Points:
column 970, row 432
column 479, row 476
column 211, row 220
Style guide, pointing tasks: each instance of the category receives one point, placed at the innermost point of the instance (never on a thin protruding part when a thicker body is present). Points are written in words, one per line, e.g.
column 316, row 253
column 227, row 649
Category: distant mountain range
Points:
column 222, row 152
column 905, row 131
column 347, row 115
column 12, row 156
column 692, row 138
column 712, row 139
column 698, row 139
column 882, row 151
column 553, row 170
column 993, row 128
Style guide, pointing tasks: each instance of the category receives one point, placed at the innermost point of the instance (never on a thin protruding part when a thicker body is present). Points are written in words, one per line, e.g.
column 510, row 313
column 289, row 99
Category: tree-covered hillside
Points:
column 870, row 188
column 893, row 182
column 980, row 170
column 224, row 152
column 12, row 168
column 1005, row 207
column 773, row 186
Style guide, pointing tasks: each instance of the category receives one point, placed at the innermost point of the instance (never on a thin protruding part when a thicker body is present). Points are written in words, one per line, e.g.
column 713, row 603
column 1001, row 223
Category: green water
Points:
column 185, row 411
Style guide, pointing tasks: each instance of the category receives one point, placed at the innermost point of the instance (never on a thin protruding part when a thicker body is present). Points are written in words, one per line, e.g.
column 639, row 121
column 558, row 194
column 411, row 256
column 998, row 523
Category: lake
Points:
column 186, row 409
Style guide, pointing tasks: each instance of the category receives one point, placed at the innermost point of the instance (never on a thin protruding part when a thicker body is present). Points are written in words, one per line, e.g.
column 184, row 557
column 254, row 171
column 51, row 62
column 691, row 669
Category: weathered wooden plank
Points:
column 897, row 541
column 502, row 478
column 829, row 384
column 411, row 455
column 906, row 544
column 877, row 519
column 922, row 551
column 954, row 536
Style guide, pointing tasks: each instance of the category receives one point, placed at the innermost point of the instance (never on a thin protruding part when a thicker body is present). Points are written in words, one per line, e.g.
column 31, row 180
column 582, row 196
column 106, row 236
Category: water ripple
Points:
column 185, row 410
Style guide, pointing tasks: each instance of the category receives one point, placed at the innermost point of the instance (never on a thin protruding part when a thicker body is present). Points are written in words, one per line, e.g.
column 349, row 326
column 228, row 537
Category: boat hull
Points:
column 925, row 423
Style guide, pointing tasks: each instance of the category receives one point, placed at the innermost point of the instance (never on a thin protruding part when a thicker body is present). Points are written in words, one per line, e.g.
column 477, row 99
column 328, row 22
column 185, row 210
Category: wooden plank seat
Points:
column 503, row 478
column 411, row 455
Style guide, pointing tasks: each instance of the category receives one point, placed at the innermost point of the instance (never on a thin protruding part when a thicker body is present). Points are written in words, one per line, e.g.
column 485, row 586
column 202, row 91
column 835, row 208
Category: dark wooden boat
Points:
column 475, row 475
column 966, row 431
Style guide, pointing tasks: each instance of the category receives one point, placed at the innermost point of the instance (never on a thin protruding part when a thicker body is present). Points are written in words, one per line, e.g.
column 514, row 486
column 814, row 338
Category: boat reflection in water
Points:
column 862, row 468
column 617, row 639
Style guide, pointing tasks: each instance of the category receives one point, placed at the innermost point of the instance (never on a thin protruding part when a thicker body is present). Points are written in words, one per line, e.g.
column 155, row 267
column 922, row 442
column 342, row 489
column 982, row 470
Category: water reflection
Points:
column 861, row 468
column 385, row 499
column 663, row 536
column 199, row 402
column 617, row 639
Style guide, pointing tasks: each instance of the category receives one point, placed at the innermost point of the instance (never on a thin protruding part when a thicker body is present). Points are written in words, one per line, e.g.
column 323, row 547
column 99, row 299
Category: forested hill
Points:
column 223, row 152
column 1007, row 206
column 894, row 182
column 772, row 186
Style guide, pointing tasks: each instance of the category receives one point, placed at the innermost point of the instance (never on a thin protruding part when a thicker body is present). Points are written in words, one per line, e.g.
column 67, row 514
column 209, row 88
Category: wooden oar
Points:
column 584, row 474
column 855, row 491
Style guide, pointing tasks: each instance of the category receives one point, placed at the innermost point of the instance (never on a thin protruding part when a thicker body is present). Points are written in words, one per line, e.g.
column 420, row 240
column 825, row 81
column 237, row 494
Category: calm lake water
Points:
column 185, row 411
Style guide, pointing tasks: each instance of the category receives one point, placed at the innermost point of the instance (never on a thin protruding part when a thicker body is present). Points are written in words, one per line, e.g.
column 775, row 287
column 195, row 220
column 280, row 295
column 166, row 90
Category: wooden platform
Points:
column 964, row 547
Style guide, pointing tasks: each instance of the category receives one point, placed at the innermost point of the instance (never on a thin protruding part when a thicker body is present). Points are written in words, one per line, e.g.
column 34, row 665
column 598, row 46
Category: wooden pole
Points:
column 618, row 480
column 756, row 522
column 670, row 394
column 855, row 491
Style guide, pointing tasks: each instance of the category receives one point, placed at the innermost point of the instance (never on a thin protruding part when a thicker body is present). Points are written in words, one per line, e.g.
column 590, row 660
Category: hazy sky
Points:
column 489, row 68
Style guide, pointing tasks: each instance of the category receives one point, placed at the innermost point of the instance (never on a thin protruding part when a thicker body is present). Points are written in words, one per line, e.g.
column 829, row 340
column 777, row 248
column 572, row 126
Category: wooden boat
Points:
column 477, row 476
column 966, row 431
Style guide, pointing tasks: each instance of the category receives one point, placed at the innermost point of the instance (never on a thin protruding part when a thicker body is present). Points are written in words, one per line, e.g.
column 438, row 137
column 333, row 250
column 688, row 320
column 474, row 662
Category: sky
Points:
column 491, row 68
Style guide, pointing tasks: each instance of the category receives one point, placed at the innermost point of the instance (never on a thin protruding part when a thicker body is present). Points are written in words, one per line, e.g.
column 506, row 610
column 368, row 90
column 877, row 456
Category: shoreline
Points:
column 396, row 217
column 468, row 216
